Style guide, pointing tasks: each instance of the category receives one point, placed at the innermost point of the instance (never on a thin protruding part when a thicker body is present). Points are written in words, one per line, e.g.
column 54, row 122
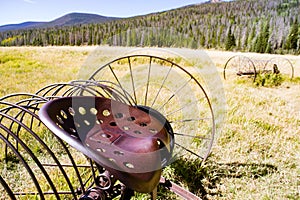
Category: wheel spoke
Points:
column 132, row 81
column 186, row 149
column 185, row 106
column 172, row 96
column 192, row 136
column 148, row 79
column 189, row 120
column 118, row 81
column 162, row 84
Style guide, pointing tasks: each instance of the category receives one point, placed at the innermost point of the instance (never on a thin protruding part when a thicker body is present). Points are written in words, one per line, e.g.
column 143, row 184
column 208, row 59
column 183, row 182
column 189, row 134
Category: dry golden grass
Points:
column 256, row 155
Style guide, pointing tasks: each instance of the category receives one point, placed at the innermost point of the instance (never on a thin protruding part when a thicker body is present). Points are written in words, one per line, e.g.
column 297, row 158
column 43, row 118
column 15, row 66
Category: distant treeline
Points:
column 263, row 26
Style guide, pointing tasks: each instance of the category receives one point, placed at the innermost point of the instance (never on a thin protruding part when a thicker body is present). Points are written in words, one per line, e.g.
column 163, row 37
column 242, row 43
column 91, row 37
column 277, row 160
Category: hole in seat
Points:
column 99, row 121
column 143, row 124
column 128, row 165
column 137, row 132
column 71, row 111
column 119, row 115
column 106, row 113
column 130, row 119
column 119, row 153
column 59, row 119
column 72, row 130
column 87, row 122
column 82, row 110
column 113, row 123
column 105, row 135
column 93, row 111
column 101, row 150
column 63, row 114
column 152, row 130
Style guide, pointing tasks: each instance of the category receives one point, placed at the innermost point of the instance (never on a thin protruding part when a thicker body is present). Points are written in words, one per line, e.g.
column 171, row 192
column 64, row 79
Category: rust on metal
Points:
column 178, row 190
column 124, row 139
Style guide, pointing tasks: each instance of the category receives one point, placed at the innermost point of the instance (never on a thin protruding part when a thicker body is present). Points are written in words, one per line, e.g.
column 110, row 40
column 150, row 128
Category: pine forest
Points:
column 263, row 26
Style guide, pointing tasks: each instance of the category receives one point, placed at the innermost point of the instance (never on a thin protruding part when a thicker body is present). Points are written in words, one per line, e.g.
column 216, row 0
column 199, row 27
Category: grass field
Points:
column 257, row 153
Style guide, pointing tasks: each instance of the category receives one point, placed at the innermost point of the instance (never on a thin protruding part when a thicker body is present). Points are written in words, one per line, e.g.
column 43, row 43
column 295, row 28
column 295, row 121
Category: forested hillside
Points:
column 270, row 26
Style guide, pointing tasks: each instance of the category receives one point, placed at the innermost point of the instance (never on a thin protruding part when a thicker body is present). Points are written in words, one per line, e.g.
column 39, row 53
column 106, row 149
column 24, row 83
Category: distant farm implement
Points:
column 241, row 66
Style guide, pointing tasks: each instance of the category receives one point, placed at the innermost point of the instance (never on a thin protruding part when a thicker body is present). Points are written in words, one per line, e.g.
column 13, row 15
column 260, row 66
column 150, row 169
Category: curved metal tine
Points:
column 36, row 160
column 25, row 164
column 70, row 89
column 93, row 172
column 79, row 177
column 111, row 92
column 106, row 89
column 94, row 89
column 7, row 189
column 60, row 88
column 27, row 106
column 21, row 114
column 76, row 88
column 43, row 144
column 124, row 94
column 85, row 86
column 48, row 88
column 108, row 65
column 33, row 98
column 18, row 95
column 31, row 103
column 8, row 108
column 54, row 89
column 92, row 77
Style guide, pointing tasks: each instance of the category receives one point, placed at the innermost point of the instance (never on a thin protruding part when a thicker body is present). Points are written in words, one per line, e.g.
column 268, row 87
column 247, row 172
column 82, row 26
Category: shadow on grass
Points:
column 203, row 179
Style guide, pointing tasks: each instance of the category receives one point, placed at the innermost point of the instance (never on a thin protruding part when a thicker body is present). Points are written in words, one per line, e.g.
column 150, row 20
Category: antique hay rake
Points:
column 242, row 66
column 106, row 137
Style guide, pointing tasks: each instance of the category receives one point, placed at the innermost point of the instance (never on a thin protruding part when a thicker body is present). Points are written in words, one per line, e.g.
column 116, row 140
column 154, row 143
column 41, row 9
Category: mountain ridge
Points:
column 73, row 19
column 70, row 19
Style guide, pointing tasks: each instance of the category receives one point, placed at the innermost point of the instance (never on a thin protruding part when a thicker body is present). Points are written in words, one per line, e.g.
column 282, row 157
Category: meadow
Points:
column 256, row 154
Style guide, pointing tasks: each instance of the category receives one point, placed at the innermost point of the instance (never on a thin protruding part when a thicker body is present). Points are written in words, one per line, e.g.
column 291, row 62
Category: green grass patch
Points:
column 269, row 79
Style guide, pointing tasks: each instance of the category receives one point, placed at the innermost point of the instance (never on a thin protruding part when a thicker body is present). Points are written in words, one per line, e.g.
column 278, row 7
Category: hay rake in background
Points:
column 242, row 66
column 113, row 134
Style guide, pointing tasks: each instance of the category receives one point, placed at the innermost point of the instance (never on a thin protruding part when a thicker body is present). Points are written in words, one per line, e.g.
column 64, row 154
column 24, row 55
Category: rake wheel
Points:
column 284, row 66
column 239, row 67
column 148, row 81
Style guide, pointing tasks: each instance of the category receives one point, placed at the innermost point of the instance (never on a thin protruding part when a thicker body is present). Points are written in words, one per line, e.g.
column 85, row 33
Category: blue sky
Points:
column 17, row 11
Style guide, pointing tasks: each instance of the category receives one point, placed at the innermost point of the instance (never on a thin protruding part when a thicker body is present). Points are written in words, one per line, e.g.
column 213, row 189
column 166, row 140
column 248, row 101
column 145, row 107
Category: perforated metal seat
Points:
column 133, row 143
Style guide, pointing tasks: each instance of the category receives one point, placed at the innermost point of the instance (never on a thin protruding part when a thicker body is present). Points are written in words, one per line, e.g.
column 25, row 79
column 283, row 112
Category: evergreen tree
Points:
column 262, row 40
column 292, row 40
column 230, row 40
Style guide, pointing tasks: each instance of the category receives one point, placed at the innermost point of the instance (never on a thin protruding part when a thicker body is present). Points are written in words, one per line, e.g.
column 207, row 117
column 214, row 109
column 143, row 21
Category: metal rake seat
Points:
column 133, row 143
